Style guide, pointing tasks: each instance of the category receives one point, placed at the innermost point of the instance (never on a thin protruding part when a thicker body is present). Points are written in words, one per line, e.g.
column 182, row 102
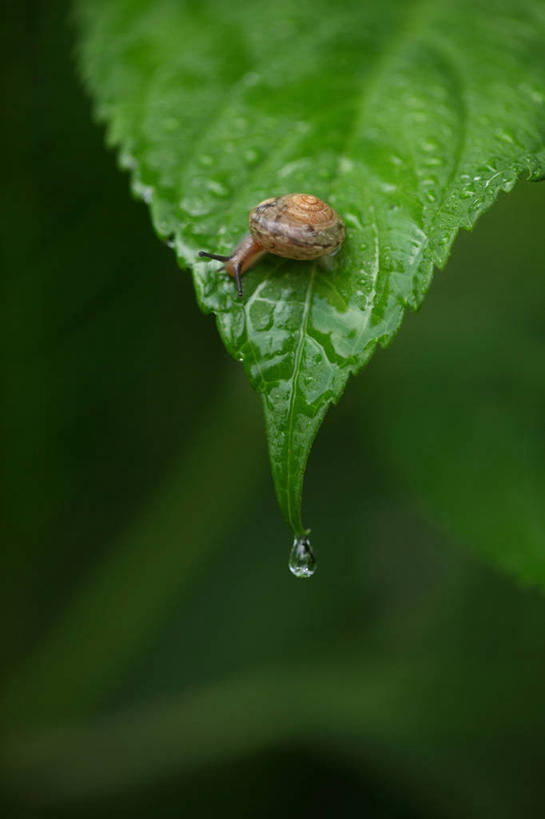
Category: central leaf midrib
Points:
column 295, row 382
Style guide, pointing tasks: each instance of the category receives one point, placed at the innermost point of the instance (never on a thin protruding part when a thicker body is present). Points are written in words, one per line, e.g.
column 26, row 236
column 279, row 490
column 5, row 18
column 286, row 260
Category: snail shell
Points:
column 293, row 226
column 296, row 226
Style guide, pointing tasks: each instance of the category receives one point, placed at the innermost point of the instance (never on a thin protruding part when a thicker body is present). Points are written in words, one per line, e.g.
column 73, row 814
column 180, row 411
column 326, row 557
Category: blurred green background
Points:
column 159, row 659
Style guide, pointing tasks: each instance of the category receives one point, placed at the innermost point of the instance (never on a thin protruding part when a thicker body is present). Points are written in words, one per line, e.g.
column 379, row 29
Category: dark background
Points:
column 159, row 659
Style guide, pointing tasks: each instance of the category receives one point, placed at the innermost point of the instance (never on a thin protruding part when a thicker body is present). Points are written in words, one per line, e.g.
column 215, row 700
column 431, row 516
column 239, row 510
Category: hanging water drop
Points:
column 302, row 561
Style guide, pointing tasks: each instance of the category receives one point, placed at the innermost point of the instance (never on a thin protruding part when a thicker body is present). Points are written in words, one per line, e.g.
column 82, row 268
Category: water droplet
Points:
column 195, row 206
column 430, row 145
column 142, row 191
column 127, row 161
column 302, row 561
column 506, row 135
column 251, row 78
column 345, row 165
column 251, row 156
column 217, row 188
column 293, row 167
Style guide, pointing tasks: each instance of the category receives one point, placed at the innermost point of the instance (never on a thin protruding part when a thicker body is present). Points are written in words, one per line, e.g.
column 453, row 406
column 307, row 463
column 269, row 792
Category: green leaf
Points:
column 408, row 117
column 461, row 420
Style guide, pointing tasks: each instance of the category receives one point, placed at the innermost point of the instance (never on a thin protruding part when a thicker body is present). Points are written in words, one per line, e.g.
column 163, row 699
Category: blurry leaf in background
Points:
column 160, row 659
column 408, row 117
column 459, row 404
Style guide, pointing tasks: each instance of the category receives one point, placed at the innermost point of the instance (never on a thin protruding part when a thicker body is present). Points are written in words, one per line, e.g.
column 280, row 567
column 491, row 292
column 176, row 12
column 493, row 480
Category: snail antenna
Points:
column 214, row 256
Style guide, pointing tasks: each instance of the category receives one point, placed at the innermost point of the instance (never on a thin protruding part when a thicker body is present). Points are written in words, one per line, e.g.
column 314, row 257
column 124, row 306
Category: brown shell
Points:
column 296, row 226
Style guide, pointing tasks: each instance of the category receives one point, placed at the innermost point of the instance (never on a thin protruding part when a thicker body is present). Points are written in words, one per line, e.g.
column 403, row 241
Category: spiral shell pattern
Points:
column 297, row 226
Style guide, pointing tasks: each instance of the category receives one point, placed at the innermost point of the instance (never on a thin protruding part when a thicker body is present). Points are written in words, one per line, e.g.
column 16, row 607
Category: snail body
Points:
column 293, row 226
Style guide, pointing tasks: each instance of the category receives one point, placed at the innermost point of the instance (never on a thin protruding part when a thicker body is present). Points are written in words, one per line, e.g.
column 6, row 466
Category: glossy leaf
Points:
column 461, row 420
column 408, row 117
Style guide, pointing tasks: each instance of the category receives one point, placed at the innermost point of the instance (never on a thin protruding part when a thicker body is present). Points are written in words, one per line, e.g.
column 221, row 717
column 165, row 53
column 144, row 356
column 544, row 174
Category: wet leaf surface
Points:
column 408, row 117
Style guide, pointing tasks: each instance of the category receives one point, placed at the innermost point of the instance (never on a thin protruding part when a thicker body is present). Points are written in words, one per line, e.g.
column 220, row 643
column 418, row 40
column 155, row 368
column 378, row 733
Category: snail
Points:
column 293, row 226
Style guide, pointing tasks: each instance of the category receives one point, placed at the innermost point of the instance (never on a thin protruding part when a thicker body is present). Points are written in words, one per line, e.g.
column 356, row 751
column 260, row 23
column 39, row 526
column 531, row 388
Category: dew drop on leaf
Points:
column 302, row 561
column 144, row 192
